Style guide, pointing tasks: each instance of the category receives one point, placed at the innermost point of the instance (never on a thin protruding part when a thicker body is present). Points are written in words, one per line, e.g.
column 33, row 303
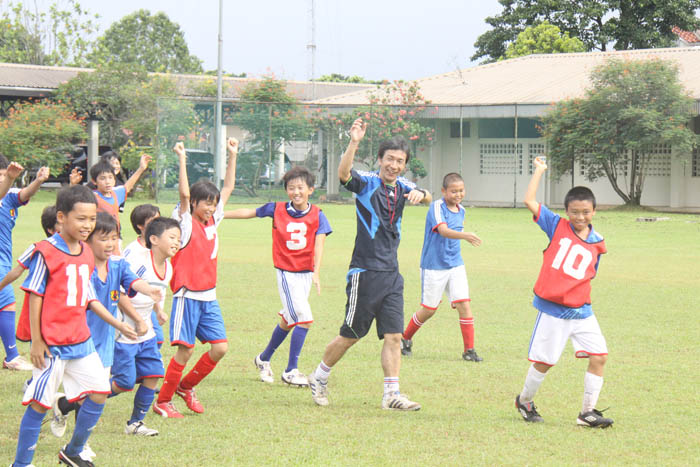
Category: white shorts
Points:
column 550, row 335
column 434, row 282
column 80, row 377
column 294, row 288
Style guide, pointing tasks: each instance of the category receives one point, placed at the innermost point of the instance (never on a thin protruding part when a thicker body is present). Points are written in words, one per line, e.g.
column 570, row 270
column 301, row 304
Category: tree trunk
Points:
column 612, row 177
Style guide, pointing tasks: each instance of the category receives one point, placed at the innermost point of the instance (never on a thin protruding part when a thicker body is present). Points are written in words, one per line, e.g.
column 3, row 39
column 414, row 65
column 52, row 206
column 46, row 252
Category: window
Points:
column 454, row 129
column 696, row 162
column 499, row 159
column 505, row 128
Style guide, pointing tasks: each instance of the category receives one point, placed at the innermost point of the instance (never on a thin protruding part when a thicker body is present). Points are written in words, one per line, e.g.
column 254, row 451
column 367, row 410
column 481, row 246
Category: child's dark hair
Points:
column 141, row 214
column 396, row 143
column 109, row 155
column 68, row 197
column 159, row 225
column 450, row 178
column 4, row 162
column 99, row 168
column 301, row 172
column 579, row 193
column 48, row 220
column 105, row 224
column 203, row 190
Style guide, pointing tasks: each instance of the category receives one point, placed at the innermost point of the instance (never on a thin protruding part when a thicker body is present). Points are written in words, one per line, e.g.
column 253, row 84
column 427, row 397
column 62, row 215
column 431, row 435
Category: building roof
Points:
column 534, row 79
column 36, row 80
column 687, row 36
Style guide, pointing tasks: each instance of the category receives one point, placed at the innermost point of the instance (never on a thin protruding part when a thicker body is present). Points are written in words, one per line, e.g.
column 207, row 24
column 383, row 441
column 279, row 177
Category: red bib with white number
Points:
column 194, row 265
column 294, row 239
column 567, row 269
column 63, row 320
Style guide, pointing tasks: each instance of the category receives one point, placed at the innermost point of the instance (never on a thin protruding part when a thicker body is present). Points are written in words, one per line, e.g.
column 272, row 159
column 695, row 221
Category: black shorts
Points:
column 373, row 295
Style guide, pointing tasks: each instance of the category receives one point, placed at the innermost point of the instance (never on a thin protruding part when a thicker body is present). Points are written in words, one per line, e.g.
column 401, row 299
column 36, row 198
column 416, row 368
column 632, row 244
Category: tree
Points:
column 148, row 40
column 625, row 24
column 631, row 109
column 338, row 78
column 545, row 38
column 61, row 36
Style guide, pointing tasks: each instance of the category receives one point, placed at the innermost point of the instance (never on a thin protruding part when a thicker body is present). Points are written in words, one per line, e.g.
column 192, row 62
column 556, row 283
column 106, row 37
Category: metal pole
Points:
column 219, row 87
column 461, row 140
column 515, row 168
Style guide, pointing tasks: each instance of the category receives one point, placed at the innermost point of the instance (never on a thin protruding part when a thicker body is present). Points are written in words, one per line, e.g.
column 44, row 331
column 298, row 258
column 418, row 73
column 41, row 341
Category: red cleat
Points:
column 166, row 410
column 190, row 399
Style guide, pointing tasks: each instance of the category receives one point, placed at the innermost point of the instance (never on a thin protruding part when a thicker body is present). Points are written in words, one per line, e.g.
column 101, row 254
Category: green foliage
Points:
column 545, row 38
column 338, row 78
column 151, row 41
column 597, row 23
column 632, row 107
column 207, row 87
column 40, row 133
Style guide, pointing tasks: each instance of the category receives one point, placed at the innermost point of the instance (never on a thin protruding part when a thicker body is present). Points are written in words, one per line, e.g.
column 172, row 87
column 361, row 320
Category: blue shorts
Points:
column 157, row 328
column 7, row 295
column 198, row 319
column 134, row 362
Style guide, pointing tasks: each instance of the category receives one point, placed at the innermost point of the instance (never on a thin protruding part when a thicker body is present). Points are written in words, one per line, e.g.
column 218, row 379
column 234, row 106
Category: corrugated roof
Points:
column 534, row 79
column 43, row 78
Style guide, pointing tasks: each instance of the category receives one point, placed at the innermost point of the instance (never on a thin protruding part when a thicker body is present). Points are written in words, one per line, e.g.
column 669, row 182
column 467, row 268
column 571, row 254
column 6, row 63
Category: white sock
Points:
column 391, row 385
column 592, row 384
column 322, row 373
column 532, row 384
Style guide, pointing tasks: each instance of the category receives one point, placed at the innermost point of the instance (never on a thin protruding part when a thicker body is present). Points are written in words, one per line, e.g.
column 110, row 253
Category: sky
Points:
column 375, row 39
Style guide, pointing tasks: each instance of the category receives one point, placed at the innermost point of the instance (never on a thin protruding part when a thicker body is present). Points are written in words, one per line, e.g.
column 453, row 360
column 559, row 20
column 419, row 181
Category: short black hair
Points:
column 68, row 197
column 299, row 171
column 159, row 225
column 398, row 143
column 109, row 155
column 104, row 223
column 4, row 162
column 579, row 193
column 451, row 178
column 204, row 190
column 48, row 220
column 141, row 213
column 99, row 168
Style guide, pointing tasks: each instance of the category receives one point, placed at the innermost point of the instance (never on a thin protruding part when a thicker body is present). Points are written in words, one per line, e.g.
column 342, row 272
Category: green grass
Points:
column 645, row 298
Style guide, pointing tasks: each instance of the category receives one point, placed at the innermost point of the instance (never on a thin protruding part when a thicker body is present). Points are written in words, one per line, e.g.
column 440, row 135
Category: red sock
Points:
column 412, row 327
column 204, row 366
column 467, row 327
column 170, row 382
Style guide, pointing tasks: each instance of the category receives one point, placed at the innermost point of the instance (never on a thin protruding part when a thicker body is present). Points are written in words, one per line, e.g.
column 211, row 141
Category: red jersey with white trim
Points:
column 194, row 265
column 111, row 207
column 568, row 266
column 294, row 239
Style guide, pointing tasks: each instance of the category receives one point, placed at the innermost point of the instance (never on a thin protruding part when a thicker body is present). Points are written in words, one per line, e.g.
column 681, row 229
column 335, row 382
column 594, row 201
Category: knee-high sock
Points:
column 532, row 384
column 592, row 384
column 28, row 436
column 7, row 334
column 298, row 337
column 278, row 336
column 142, row 401
column 204, row 366
column 412, row 327
column 170, row 381
column 88, row 416
column 466, row 325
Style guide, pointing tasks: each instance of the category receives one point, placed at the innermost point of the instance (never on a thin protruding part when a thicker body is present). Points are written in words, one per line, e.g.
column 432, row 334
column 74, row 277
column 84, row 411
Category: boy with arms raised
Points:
column 442, row 267
column 374, row 285
column 299, row 230
column 563, row 299
column 196, row 313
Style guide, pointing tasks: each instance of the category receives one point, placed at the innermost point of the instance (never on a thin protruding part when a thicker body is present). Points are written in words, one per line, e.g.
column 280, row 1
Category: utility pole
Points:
column 311, row 47
column 219, row 149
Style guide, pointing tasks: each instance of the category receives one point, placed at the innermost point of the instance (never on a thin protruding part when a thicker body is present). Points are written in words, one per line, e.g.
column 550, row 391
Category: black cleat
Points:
column 471, row 356
column 73, row 461
column 406, row 346
column 528, row 411
column 594, row 419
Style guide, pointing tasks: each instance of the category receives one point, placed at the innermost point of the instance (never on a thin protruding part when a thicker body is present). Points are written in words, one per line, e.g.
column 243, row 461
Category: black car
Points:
column 76, row 158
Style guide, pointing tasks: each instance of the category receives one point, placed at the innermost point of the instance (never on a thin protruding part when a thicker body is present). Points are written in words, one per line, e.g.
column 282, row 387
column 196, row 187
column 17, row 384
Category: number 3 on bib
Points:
column 568, row 256
column 298, row 235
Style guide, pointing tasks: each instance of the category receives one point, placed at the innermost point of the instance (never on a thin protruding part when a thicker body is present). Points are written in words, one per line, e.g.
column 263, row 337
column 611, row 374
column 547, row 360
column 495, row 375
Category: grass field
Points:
column 645, row 298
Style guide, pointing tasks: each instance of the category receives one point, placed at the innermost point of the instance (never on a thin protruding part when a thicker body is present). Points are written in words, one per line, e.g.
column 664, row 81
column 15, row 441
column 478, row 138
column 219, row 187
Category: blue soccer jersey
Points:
column 118, row 274
column 9, row 206
column 268, row 210
column 441, row 252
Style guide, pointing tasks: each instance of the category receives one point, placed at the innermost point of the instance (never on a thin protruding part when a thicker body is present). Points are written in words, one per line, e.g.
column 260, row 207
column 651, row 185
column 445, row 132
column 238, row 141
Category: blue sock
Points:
column 88, row 416
column 142, row 402
column 7, row 334
column 28, row 436
column 298, row 337
column 278, row 336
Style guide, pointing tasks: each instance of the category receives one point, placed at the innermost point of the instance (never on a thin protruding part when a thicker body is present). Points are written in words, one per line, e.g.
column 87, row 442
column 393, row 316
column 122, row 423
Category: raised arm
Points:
column 183, row 184
column 143, row 165
column 230, row 177
column 531, row 193
column 318, row 255
column 242, row 213
column 30, row 190
column 467, row 236
column 357, row 132
column 419, row 195
column 13, row 171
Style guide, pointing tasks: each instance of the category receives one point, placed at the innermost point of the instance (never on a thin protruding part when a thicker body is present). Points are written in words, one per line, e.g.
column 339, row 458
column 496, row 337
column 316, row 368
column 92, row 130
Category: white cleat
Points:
column 319, row 391
column 398, row 401
column 58, row 419
column 17, row 364
column 139, row 429
column 295, row 378
column 265, row 370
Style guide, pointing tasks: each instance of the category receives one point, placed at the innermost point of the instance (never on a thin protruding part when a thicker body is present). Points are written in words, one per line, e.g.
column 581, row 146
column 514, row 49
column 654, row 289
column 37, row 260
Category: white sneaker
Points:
column 87, row 453
column 17, row 364
column 139, row 429
column 58, row 420
column 295, row 378
column 398, row 401
column 319, row 391
column 265, row 370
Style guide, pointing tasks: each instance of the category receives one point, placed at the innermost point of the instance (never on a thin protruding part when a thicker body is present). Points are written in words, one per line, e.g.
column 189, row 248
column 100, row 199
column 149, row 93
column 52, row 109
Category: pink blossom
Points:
column 402, row 112
column 413, row 138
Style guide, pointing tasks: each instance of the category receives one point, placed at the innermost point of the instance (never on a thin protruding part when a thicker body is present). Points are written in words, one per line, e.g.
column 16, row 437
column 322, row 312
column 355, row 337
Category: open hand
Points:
column 316, row 280
column 13, row 170
column 127, row 331
column 414, row 196
column 43, row 174
column 37, row 352
column 75, row 176
column 357, row 130
column 472, row 238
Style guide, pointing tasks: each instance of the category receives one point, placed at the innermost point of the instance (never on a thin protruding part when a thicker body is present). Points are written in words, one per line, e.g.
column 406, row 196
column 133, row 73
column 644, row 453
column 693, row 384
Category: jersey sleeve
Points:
column 127, row 277
column 218, row 214
column 324, row 227
column 35, row 282
column 406, row 184
column 547, row 220
column 92, row 295
column 12, row 199
column 266, row 210
column 120, row 193
column 26, row 257
column 434, row 217
column 185, row 220
column 356, row 183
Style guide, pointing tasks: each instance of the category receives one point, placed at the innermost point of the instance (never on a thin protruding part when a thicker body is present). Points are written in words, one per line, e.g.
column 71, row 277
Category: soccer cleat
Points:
column 295, row 378
column 471, row 356
column 73, row 461
column 406, row 347
column 265, row 370
column 139, row 429
column 166, row 410
column 319, row 391
column 87, row 453
column 398, row 401
column 190, row 399
column 594, row 419
column 17, row 364
column 59, row 419
column 528, row 411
